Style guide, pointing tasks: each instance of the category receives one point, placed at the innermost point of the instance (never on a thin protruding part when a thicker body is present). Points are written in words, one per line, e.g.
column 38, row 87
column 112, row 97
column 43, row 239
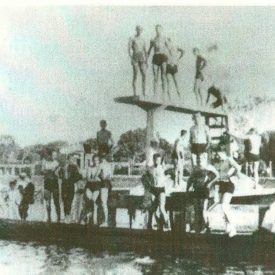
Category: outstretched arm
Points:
column 212, row 169
column 240, row 136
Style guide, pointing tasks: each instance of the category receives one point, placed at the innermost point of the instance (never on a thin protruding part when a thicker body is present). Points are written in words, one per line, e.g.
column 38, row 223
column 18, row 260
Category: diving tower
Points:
column 153, row 104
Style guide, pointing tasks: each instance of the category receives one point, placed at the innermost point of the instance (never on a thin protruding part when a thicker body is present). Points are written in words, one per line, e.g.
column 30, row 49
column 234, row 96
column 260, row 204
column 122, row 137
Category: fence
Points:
column 269, row 170
column 129, row 169
column 16, row 169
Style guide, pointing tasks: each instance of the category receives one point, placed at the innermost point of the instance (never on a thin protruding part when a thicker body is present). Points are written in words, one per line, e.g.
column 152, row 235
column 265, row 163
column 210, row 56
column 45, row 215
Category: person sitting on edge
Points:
column 181, row 144
column 106, row 185
column 174, row 55
column 26, row 188
column 159, row 189
column 104, row 139
column 199, row 78
column 201, row 181
column 138, row 54
column 159, row 44
column 199, row 141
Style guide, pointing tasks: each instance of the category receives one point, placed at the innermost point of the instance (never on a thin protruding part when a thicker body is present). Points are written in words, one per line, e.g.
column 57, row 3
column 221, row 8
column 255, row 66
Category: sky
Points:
column 62, row 67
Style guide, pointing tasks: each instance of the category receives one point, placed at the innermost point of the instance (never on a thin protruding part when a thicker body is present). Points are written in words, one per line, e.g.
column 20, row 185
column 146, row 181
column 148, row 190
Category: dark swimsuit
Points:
column 198, row 148
column 171, row 69
column 93, row 185
column 51, row 180
column 252, row 157
column 156, row 191
column 106, row 184
column 159, row 59
column 226, row 187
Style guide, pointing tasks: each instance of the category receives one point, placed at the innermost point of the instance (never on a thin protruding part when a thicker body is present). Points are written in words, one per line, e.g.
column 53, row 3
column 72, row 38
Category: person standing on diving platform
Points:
column 138, row 55
column 160, row 57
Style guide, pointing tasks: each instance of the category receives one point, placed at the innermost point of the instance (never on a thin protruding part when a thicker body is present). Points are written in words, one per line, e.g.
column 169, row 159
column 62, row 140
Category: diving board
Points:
column 149, row 103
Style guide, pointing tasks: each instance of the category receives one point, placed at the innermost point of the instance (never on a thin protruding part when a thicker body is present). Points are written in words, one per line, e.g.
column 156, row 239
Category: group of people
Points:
column 19, row 196
column 164, row 62
column 166, row 56
column 210, row 184
column 80, row 191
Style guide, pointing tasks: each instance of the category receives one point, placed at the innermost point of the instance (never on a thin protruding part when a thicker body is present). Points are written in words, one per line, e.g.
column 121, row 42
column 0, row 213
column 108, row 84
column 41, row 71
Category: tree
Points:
column 131, row 145
column 8, row 148
column 31, row 152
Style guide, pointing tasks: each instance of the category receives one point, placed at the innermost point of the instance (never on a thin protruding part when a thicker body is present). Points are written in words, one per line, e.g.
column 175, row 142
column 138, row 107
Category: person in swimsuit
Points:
column 92, row 191
column 199, row 141
column 230, row 172
column 174, row 55
column 160, row 57
column 138, row 54
column 106, row 185
column 220, row 99
column 199, row 78
column 50, row 169
column 253, row 153
column 181, row 144
column 253, row 142
column 104, row 139
column 159, row 189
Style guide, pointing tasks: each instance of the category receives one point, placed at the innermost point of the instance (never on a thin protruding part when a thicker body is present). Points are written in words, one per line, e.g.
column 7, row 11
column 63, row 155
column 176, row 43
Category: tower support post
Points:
column 150, row 130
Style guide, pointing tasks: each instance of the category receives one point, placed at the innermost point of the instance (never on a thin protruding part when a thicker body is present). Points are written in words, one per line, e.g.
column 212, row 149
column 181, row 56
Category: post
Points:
column 149, row 130
column 129, row 168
